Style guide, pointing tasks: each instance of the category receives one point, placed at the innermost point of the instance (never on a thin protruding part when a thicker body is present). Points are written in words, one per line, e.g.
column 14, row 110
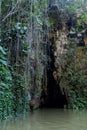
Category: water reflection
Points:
column 49, row 119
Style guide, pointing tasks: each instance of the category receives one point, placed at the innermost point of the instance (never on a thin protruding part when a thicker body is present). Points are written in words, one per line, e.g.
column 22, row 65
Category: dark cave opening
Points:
column 54, row 97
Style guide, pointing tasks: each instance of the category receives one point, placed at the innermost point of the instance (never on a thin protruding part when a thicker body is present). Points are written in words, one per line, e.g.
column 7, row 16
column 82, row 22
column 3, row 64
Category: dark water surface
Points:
column 48, row 119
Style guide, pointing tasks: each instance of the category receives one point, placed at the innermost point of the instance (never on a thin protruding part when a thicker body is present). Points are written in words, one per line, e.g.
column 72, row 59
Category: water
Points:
column 48, row 119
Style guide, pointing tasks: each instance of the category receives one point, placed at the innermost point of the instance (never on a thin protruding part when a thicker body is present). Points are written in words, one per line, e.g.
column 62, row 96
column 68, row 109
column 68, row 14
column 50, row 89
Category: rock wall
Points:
column 63, row 37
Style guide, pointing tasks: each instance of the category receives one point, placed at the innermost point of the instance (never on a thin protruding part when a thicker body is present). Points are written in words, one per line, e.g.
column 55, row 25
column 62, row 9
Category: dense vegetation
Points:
column 24, row 35
column 21, row 54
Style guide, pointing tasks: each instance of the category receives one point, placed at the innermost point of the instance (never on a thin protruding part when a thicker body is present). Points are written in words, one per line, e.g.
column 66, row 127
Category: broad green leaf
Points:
column 3, row 62
column 2, row 50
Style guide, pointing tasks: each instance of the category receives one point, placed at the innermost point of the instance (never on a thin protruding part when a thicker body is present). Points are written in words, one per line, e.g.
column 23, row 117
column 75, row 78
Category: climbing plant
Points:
column 6, row 96
column 24, row 58
column 74, row 77
column 21, row 33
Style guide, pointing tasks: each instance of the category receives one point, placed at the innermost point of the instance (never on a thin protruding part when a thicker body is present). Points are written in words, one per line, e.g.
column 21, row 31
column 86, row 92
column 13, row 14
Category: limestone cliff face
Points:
column 77, row 63
column 61, row 34
column 60, row 50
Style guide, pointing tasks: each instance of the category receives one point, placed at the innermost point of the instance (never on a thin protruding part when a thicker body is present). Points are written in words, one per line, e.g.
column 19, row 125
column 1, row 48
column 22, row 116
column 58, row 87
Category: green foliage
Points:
column 75, row 80
column 74, row 6
column 30, row 17
column 77, row 9
column 20, row 92
column 21, row 28
column 6, row 103
column 82, row 20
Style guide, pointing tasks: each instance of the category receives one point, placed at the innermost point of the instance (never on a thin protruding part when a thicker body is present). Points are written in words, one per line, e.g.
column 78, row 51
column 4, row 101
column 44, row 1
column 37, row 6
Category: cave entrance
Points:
column 54, row 98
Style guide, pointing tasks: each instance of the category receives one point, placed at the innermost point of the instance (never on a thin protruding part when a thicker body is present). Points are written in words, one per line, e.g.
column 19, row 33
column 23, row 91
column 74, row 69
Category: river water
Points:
column 48, row 119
